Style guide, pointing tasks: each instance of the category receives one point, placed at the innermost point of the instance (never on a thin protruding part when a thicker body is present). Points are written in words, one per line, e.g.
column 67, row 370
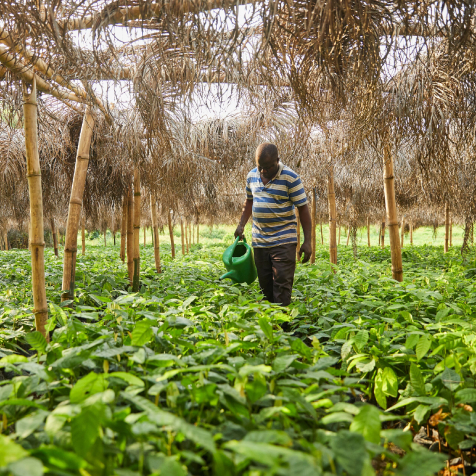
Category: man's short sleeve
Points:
column 249, row 195
column 297, row 195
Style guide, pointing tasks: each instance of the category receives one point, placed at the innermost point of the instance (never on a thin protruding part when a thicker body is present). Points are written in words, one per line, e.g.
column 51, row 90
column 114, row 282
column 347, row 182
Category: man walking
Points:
column 272, row 193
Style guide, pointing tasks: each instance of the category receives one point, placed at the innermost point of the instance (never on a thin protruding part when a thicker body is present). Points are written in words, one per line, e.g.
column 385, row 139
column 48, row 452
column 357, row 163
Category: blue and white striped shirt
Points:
column 274, row 217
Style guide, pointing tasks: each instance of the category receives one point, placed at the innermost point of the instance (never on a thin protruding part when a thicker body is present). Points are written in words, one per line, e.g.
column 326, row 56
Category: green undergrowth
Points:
column 196, row 376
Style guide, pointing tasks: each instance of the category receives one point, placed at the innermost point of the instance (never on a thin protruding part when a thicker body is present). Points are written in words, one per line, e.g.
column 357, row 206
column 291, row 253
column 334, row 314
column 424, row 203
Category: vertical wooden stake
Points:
column 137, row 204
column 411, row 232
column 186, row 237
column 190, row 226
column 105, row 244
column 331, row 196
column 322, row 233
column 402, row 233
column 155, row 228
column 122, row 253
column 37, row 239
column 198, row 232
column 447, row 227
column 55, row 236
column 75, row 205
column 391, row 207
column 130, row 235
column 339, row 235
column 451, row 231
column 171, row 232
column 298, row 231
column 5, row 241
column 382, row 233
column 182, row 236
column 83, row 234
column 348, row 235
column 313, row 223
column 368, row 232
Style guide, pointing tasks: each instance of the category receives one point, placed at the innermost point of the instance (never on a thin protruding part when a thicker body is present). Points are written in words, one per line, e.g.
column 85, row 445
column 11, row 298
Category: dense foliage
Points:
column 196, row 376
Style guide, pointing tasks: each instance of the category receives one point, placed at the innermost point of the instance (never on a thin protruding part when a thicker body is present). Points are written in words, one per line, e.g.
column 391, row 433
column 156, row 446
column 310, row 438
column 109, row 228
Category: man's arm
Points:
column 305, row 218
column 247, row 211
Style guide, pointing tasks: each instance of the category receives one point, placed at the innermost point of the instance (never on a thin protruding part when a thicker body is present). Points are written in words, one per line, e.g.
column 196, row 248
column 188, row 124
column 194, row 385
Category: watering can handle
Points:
column 236, row 242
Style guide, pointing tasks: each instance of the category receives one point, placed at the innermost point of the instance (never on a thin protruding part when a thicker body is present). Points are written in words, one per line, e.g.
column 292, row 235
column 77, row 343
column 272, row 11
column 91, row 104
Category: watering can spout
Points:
column 231, row 274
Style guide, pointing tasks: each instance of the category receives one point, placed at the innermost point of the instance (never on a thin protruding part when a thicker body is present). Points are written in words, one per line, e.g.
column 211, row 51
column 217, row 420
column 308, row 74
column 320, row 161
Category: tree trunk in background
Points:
column 182, row 237
column 451, row 231
column 136, row 276
column 348, row 235
column 322, row 233
column 190, row 226
column 391, row 206
column 382, row 234
column 55, row 237
column 411, row 232
column 105, row 239
column 114, row 237
column 130, row 235
column 171, row 232
column 29, row 235
column 5, row 241
column 187, row 247
column 402, row 233
column 155, row 230
column 313, row 230
column 467, row 235
column 37, row 238
column 75, row 205
column 144, row 237
column 123, row 228
column 198, row 232
column 332, row 217
column 298, row 231
column 368, row 231
column 447, row 227
column 339, row 235
column 83, row 234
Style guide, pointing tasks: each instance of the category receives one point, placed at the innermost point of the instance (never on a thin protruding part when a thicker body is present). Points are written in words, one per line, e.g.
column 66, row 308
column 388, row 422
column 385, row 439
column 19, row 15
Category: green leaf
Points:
column 142, row 333
column 26, row 466
column 12, row 359
column 390, row 382
column 450, row 379
column 416, row 380
column 361, row 339
column 27, row 425
column 130, row 378
column 188, row 301
column 423, row 346
column 421, row 412
column 283, row 361
column 37, row 341
column 421, row 463
column 434, row 402
column 266, row 328
column 10, row 451
column 88, row 385
column 466, row 395
column 411, row 341
column 270, row 436
column 349, row 451
column 367, row 423
column 85, row 429
column 301, row 348
column 378, row 390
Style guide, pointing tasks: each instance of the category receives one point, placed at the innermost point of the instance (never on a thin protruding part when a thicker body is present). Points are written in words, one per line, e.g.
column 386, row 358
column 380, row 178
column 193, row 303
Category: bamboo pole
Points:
column 382, row 233
column 332, row 217
column 123, row 228
column 182, row 237
column 451, row 231
column 130, row 235
column 155, row 230
column 55, row 237
column 136, row 276
column 29, row 235
column 368, row 232
column 171, row 232
column 402, row 232
column 313, row 230
column 75, row 204
column 83, row 235
column 37, row 239
column 348, row 235
column 391, row 207
column 447, row 227
column 298, row 231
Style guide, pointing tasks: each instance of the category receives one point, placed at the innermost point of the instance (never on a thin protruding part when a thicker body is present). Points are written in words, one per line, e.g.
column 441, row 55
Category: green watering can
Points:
column 239, row 262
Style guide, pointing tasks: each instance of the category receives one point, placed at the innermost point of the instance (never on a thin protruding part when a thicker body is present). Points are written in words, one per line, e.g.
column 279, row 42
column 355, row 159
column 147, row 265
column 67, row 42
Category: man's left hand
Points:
column 307, row 250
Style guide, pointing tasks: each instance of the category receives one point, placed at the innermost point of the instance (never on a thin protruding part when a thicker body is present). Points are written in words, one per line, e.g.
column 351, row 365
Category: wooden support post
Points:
column 348, row 235
column 130, row 235
column 75, row 205
column 382, row 233
column 339, row 235
column 155, row 229
column 332, row 217
column 190, row 226
column 5, row 241
column 83, row 234
column 451, row 231
column 182, row 237
column 411, row 232
column 187, row 247
column 122, row 253
column 447, row 227
column 391, row 207
column 368, row 232
column 37, row 239
column 198, row 232
column 105, row 244
column 298, row 231
column 171, row 232
column 402, row 232
column 145, row 241
column 322, row 233
column 313, row 223
column 137, row 204
column 55, row 236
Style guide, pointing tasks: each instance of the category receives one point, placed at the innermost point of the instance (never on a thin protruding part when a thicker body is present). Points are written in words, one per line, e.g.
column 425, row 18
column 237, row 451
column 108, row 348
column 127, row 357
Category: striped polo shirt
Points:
column 274, row 217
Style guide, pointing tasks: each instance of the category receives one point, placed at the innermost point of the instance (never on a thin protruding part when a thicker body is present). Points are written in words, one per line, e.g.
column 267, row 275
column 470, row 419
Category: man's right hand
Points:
column 239, row 231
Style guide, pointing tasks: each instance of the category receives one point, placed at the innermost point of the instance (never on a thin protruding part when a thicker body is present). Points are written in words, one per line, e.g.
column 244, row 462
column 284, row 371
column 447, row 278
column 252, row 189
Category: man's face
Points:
column 268, row 167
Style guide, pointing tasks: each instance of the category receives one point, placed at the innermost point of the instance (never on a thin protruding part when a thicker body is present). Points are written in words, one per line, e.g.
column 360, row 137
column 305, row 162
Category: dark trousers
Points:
column 276, row 267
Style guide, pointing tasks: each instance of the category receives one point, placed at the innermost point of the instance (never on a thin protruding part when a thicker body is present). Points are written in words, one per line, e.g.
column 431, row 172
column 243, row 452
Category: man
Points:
column 272, row 193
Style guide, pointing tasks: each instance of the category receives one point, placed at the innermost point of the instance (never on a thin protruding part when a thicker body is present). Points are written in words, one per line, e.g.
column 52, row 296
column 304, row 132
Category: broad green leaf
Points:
column 411, row 341
column 12, row 359
column 270, row 436
column 434, row 402
column 466, row 395
column 283, row 361
column 423, row 346
column 421, row 463
column 27, row 425
column 367, row 423
column 266, row 328
column 85, row 429
column 37, row 341
column 361, row 339
column 88, row 385
column 26, row 466
column 450, row 379
column 416, row 380
column 188, row 301
column 10, row 451
column 130, row 378
column 378, row 390
column 389, row 382
column 349, row 451
column 421, row 412
column 142, row 333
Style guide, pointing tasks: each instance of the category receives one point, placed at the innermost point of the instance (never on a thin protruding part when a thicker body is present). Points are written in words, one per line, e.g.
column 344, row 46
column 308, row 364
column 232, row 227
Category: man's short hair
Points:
column 266, row 150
